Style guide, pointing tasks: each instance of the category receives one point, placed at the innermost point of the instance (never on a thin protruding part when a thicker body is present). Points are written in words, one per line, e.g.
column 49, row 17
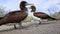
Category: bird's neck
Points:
column 24, row 8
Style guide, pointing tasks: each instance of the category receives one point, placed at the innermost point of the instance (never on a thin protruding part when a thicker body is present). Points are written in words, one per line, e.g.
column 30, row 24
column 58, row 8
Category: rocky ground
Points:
column 47, row 27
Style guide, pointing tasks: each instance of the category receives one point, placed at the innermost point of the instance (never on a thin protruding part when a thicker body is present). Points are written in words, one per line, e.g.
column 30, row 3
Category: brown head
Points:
column 23, row 5
column 33, row 8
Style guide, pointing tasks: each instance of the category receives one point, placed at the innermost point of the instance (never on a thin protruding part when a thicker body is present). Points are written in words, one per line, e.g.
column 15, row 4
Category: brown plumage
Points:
column 16, row 16
column 1, row 18
column 41, row 14
column 13, row 17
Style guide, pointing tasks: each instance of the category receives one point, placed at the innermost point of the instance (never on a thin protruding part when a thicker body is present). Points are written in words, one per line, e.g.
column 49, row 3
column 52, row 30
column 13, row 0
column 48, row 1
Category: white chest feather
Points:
column 36, row 18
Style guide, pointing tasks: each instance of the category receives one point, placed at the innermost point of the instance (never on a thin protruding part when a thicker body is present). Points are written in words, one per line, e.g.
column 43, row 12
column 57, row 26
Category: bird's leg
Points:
column 15, row 26
column 39, row 22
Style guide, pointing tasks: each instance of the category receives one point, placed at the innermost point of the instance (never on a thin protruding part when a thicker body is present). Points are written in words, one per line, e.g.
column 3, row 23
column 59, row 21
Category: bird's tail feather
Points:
column 54, row 18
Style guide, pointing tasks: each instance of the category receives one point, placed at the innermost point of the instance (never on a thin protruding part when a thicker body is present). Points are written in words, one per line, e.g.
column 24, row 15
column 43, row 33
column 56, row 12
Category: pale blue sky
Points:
column 41, row 5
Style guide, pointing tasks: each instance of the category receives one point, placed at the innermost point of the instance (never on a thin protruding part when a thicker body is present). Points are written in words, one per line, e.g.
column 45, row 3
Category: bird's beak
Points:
column 29, row 4
column 29, row 7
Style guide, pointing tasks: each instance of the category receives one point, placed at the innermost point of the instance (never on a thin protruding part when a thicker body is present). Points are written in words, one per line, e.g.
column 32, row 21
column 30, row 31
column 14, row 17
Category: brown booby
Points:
column 40, row 15
column 16, row 16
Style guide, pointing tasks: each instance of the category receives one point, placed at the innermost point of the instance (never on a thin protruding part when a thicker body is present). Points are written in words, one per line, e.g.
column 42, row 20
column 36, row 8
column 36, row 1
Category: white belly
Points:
column 36, row 18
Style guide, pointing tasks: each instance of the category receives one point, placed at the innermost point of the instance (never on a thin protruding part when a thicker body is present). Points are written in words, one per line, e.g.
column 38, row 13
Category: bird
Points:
column 41, row 15
column 16, row 16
